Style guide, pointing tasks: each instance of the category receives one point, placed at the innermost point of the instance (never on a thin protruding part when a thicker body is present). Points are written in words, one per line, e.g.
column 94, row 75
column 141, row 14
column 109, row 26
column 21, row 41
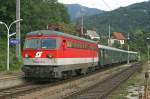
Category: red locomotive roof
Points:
column 55, row 33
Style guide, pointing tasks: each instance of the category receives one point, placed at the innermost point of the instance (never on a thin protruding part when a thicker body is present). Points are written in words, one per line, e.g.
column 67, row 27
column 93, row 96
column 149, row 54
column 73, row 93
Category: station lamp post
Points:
column 8, row 36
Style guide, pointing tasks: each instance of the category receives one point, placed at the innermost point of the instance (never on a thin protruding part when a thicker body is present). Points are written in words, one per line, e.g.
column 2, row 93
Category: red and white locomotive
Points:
column 51, row 54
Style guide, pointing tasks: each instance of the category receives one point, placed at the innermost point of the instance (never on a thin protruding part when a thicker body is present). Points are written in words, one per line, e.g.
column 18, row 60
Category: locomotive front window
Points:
column 32, row 43
column 45, row 43
column 48, row 43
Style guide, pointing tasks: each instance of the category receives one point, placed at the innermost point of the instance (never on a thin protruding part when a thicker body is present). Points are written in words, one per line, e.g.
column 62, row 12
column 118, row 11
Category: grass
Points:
column 14, row 63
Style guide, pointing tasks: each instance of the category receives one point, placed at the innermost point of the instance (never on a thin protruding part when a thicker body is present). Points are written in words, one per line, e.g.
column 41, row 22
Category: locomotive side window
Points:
column 68, row 44
column 72, row 44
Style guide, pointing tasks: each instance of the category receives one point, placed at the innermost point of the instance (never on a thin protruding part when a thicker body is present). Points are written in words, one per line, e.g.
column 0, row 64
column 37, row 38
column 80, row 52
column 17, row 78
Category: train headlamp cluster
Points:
column 49, row 56
column 27, row 56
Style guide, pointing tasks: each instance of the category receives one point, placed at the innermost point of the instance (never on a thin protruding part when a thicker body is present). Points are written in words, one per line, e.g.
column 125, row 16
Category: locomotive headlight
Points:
column 27, row 56
column 49, row 56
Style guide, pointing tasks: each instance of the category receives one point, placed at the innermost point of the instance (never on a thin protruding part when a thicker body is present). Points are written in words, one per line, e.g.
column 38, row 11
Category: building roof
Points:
column 119, row 36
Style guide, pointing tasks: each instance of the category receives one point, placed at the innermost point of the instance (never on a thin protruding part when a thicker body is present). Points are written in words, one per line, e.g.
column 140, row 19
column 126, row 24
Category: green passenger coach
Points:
column 109, row 55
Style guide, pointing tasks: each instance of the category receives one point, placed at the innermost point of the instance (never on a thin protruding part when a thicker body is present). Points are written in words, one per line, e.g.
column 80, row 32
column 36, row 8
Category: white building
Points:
column 93, row 34
column 119, row 37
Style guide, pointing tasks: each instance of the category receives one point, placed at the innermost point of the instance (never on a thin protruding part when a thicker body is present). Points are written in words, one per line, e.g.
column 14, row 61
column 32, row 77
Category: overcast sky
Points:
column 102, row 4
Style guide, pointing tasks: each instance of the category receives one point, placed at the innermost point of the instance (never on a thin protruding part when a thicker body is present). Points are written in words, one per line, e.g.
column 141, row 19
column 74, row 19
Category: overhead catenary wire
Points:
column 117, row 4
column 107, row 5
column 109, row 33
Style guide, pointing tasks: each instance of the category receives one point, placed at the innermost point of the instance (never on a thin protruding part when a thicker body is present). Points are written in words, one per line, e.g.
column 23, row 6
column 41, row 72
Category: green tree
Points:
column 36, row 14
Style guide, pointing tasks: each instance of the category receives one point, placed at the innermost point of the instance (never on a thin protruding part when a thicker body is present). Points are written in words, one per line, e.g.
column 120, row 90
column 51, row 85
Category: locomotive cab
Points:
column 39, row 55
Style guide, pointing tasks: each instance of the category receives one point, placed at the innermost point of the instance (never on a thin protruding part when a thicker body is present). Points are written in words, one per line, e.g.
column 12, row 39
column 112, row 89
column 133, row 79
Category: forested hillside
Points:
column 133, row 19
column 36, row 15
column 75, row 11
column 124, row 19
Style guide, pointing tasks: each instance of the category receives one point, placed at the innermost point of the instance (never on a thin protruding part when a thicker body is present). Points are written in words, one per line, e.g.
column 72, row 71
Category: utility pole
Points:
column 148, row 49
column 82, row 19
column 148, row 53
column 18, row 46
column 146, row 86
column 128, row 61
column 82, row 24
column 109, row 36
column 139, row 57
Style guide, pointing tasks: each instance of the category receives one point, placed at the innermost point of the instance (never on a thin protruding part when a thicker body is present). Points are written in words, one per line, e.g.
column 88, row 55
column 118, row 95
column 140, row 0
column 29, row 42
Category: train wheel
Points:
column 67, row 74
column 78, row 71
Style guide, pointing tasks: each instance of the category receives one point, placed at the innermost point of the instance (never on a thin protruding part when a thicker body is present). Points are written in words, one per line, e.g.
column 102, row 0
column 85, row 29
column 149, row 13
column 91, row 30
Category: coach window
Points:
column 78, row 45
column 91, row 47
column 84, row 46
column 73, row 44
column 69, row 44
column 81, row 46
column 88, row 47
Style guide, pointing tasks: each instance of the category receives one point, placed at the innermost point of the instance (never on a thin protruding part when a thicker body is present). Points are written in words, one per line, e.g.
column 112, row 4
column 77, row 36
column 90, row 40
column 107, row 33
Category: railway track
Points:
column 12, row 92
column 25, row 89
column 21, row 90
column 104, row 88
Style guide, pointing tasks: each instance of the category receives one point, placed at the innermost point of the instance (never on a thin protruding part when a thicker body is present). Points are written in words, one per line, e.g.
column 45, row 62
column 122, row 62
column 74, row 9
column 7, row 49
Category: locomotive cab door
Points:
column 64, row 46
column 92, row 54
